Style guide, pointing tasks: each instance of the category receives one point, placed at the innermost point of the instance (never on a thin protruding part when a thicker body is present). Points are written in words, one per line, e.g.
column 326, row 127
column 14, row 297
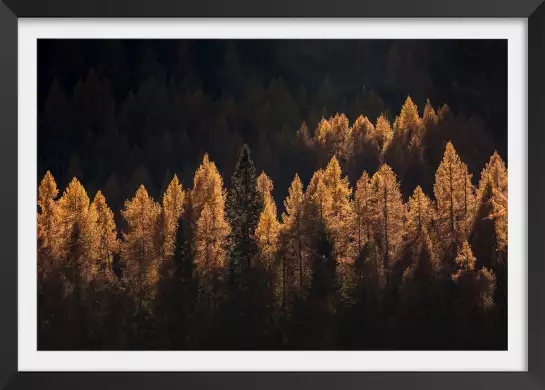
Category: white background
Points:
column 515, row 30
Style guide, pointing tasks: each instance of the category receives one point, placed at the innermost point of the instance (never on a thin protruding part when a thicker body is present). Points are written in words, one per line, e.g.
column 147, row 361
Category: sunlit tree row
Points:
column 253, row 270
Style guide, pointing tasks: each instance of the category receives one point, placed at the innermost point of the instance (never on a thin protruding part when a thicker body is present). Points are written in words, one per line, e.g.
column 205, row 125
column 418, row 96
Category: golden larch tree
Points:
column 477, row 286
column 420, row 212
column 140, row 249
column 495, row 174
column 173, row 203
column 383, row 134
column 429, row 116
column 208, row 191
column 78, row 232
column 323, row 129
column 362, row 196
column 264, row 185
column 340, row 210
column 387, row 213
column 293, row 226
column 408, row 117
column 48, row 217
column 455, row 195
column 107, row 233
column 268, row 227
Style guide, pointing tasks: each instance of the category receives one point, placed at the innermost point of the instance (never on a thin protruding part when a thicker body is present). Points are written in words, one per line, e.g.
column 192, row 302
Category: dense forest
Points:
column 375, row 234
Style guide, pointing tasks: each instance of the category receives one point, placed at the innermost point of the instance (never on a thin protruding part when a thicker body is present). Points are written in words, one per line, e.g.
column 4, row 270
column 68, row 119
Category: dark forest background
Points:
column 118, row 114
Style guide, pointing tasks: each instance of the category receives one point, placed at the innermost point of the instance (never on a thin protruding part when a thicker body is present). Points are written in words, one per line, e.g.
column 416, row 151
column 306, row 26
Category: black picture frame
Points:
column 531, row 10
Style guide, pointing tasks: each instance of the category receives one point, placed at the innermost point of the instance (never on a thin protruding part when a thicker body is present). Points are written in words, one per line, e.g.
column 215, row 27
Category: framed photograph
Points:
column 272, row 195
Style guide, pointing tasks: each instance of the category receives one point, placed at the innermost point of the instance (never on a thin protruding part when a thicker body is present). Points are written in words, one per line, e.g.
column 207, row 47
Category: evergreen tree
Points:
column 250, row 301
column 244, row 206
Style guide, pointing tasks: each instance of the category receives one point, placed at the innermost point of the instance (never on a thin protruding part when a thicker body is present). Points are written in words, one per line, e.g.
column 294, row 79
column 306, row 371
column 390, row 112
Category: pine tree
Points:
column 140, row 250
column 340, row 210
column 173, row 202
column 362, row 221
column 244, row 206
column 108, row 243
column 454, row 194
column 250, row 293
column 387, row 213
column 419, row 214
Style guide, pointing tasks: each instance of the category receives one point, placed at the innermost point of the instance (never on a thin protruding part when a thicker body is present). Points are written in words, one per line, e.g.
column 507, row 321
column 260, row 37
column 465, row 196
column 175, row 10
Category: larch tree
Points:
column 495, row 172
column 208, row 191
column 173, row 203
column 383, row 134
column 209, row 250
column 361, row 133
column 420, row 212
column 323, row 129
column 294, row 229
column 455, row 195
column 338, row 217
column 408, row 119
column 318, row 201
column 79, row 233
column 387, row 213
column 421, row 293
column 476, row 288
column 48, row 220
column 268, row 227
column 495, row 175
column 429, row 116
column 107, row 233
column 140, row 250
column 362, row 225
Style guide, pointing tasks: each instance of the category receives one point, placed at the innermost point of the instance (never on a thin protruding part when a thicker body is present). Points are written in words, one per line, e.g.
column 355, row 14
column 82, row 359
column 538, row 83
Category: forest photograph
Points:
column 272, row 194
